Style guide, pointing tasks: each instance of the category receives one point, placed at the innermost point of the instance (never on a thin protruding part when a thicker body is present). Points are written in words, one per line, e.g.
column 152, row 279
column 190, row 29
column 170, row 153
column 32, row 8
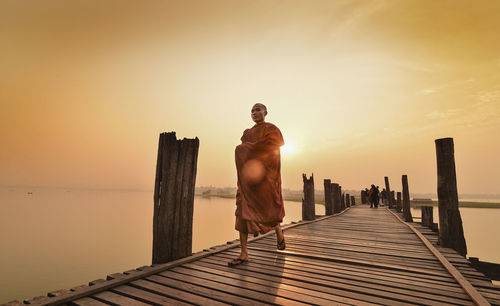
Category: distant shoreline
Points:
column 469, row 204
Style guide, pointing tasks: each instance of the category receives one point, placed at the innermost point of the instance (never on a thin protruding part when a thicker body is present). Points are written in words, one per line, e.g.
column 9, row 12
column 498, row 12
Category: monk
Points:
column 259, row 202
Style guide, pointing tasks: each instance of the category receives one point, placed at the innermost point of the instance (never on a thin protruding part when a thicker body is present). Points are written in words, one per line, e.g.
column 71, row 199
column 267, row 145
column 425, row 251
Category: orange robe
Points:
column 259, row 202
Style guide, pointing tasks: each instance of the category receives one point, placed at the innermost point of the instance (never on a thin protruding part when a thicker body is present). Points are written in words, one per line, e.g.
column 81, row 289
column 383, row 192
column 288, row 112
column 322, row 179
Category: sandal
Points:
column 281, row 245
column 236, row 262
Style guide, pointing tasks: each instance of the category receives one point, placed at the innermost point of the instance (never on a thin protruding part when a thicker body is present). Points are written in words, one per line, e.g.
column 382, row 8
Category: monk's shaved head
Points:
column 259, row 112
column 262, row 106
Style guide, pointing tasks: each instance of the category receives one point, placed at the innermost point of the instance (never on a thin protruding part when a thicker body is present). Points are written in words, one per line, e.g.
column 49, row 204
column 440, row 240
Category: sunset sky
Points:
column 359, row 89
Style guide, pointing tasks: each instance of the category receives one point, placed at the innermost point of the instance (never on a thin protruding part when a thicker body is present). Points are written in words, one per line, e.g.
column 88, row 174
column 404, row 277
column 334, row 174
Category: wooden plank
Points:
column 238, row 288
column 87, row 301
column 146, row 296
column 116, row 299
column 374, row 262
column 372, row 250
column 201, row 290
column 373, row 291
column 347, row 297
column 176, row 293
column 381, row 278
column 445, row 280
column 383, row 288
column 304, row 295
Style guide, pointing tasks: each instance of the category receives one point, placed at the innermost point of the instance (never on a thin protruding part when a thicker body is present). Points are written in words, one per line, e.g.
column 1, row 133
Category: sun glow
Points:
column 288, row 149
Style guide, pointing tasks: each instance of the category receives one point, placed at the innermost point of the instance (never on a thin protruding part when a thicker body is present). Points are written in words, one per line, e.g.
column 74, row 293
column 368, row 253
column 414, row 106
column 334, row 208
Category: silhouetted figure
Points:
column 370, row 195
column 375, row 196
column 383, row 195
column 378, row 197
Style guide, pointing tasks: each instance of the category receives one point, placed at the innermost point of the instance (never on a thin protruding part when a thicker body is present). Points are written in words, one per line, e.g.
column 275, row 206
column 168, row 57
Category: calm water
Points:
column 56, row 239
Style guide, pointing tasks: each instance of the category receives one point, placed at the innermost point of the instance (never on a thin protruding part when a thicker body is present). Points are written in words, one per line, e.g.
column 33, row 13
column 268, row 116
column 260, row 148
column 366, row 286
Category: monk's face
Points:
column 258, row 113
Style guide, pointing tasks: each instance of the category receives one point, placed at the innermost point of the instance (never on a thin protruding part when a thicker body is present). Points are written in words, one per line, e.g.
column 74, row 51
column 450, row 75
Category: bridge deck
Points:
column 361, row 256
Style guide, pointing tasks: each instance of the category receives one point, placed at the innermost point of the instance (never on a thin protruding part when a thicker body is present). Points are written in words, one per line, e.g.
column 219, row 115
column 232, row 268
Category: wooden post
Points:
column 353, row 201
column 174, row 198
column 342, row 201
column 347, row 200
column 427, row 216
column 328, row 197
column 388, row 191
column 393, row 200
column 406, row 200
column 337, row 205
column 451, row 233
column 363, row 197
column 398, row 202
column 308, row 208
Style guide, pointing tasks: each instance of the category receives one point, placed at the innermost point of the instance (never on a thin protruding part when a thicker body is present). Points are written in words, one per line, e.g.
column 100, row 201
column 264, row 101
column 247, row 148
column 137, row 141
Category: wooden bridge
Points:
column 359, row 256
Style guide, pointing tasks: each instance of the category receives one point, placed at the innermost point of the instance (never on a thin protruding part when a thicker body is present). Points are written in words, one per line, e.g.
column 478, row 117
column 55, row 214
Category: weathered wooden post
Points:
column 308, row 208
column 388, row 191
column 393, row 200
column 337, row 205
column 353, row 201
column 406, row 200
column 328, row 197
column 398, row 202
column 174, row 198
column 363, row 197
column 427, row 216
column 451, row 233
column 347, row 200
column 342, row 201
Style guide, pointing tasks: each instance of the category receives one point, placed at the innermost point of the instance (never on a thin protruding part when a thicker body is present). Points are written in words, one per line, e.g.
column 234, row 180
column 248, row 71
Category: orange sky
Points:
column 360, row 88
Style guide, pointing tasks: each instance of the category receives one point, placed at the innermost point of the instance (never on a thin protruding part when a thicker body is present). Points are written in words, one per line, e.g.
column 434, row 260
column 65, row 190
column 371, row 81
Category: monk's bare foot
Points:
column 280, row 237
column 243, row 258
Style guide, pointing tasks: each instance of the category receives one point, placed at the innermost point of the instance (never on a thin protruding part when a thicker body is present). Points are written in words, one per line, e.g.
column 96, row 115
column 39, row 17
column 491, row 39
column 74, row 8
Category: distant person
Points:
column 383, row 195
column 370, row 195
column 378, row 196
column 374, row 197
column 259, row 201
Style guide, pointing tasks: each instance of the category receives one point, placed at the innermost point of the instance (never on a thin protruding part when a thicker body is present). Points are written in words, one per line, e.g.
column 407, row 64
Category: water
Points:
column 481, row 230
column 54, row 239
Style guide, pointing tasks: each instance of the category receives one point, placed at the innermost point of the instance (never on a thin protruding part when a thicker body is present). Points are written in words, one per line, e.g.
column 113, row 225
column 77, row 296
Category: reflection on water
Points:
column 54, row 239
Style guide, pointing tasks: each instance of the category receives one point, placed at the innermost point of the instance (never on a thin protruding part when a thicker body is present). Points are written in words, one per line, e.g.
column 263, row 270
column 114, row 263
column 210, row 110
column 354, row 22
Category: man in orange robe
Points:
column 259, row 202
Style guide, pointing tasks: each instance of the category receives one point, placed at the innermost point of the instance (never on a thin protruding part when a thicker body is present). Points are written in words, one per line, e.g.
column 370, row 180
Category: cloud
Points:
column 360, row 12
column 486, row 97
column 426, row 91
column 441, row 115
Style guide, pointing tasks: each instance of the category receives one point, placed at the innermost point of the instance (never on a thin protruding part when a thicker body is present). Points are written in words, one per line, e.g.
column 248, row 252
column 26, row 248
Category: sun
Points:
column 288, row 149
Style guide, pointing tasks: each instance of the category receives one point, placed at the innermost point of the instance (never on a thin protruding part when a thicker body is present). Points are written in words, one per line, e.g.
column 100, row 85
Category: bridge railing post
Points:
column 363, row 197
column 308, row 208
column 353, row 201
column 337, row 205
column 427, row 216
column 451, row 233
column 328, row 197
column 342, row 201
column 406, row 199
column 174, row 198
column 398, row 202
column 347, row 200
column 388, row 192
